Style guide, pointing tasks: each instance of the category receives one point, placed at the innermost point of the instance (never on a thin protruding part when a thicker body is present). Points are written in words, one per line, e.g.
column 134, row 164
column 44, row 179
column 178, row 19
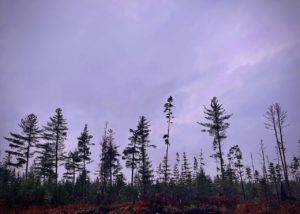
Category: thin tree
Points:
column 109, row 162
column 195, row 168
column 201, row 162
column 186, row 175
column 273, row 178
column 72, row 165
column 216, row 127
column 112, row 156
column 84, row 154
column 169, row 115
column 131, row 154
column 276, row 121
column 55, row 132
column 176, row 172
column 103, row 172
column 21, row 144
column 235, row 155
column 264, row 180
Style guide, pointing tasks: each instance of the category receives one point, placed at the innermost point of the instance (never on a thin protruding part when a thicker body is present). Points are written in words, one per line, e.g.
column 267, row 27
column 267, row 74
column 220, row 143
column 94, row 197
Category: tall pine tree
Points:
column 131, row 153
column 21, row 144
column 84, row 155
column 169, row 115
column 216, row 127
column 145, row 171
column 55, row 132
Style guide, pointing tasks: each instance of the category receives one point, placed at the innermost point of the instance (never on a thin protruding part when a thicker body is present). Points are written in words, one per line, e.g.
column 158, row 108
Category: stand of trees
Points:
column 29, row 171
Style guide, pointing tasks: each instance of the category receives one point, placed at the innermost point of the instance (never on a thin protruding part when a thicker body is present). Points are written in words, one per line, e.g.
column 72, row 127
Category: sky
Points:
column 117, row 60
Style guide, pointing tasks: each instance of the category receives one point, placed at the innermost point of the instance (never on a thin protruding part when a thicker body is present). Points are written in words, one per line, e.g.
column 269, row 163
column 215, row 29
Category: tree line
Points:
column 39, row 151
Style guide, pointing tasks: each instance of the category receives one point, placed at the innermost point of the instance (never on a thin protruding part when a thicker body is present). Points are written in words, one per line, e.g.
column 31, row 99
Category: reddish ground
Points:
column 213, row 205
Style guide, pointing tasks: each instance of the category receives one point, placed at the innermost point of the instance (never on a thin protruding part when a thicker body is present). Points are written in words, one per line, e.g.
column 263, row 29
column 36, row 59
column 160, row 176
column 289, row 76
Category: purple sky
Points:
column 116, row 60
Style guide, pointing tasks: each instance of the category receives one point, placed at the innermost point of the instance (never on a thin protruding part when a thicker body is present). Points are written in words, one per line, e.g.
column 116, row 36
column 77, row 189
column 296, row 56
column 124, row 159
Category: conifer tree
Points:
column 201, row 162
column 131, row 153
column 21, row 144
column 186, row 175
column 216, row 127
column 55, row 132
column 103, row 172
column 145, row 165
column 84, row 155
column 176, row 173
column 235, row 155
column 195, row 168
column 273, row 178
column 109, row 163
column 169, row 115
column 45, row 162
column 159, row 173
column 248, row 174
column 112, row 156
column 72, row 165
column 295, row 168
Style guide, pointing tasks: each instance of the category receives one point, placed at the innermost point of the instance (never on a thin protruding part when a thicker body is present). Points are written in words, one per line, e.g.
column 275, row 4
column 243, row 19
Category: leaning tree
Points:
column 21, row 144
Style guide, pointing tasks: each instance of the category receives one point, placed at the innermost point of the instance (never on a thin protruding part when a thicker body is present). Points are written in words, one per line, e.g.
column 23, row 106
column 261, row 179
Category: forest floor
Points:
column 213, row 205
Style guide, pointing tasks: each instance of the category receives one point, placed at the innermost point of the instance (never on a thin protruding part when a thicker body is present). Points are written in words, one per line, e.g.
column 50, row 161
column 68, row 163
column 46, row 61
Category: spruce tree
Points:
column 55, row 132
column 112, row 156
column 103, row 172
column 109, row 162
column 84, row 155
column 143, row 142
column 176, row 172
column 195, row 168
column 21, row 144
column 186, row 175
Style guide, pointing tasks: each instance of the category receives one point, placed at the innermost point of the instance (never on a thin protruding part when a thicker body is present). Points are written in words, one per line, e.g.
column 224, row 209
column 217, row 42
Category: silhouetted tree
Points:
column 21, row 144
column 176, row 172
column 195, row 168
column 273, row 178
column 217, row 127
column 84, row 155
column 131, row 153
column 112, row 156
column 235, row 155
column 103, row 172
column 72, row 165
column 109, row 163
column 248, row 174
column 186, row 175
column 143, row 143
column 169, row 115
column 276, row 121
column 295, row 168
column 45, row 162
column 159, row 173
column 264, row 179
column 55, row 132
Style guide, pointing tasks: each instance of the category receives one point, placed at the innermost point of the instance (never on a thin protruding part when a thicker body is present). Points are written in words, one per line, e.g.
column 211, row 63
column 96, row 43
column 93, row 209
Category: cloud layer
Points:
column 116, row 60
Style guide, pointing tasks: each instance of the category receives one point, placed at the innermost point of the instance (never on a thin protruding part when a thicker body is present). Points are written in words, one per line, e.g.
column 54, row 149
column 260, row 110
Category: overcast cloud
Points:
column 116, row 60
